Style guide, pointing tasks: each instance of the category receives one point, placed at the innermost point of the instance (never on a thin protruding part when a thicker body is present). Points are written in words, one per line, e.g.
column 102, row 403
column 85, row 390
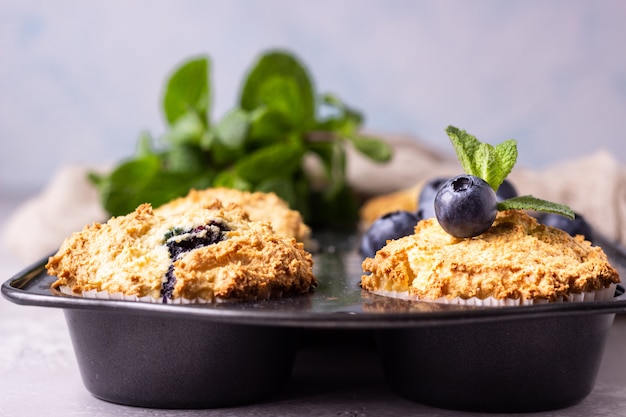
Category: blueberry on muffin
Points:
column 481, row 246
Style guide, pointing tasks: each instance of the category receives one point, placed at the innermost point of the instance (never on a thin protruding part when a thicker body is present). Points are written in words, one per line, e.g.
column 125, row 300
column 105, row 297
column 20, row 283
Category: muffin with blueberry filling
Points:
column 202, row 254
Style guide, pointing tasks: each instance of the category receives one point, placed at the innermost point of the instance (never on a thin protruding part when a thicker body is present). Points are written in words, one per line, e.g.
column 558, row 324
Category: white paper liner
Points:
column 105, row 295
column 603, row 294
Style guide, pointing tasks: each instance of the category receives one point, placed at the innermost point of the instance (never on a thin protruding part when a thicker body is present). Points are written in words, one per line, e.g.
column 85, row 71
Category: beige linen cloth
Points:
column 594, row 186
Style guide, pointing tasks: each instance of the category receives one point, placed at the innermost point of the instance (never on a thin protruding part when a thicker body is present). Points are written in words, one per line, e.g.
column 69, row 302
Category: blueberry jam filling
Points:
column 180, row 241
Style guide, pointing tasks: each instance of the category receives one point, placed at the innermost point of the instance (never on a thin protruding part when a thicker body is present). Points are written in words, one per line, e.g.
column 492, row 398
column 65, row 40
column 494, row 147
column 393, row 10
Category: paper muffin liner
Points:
column 603, row 294
column 105, row 295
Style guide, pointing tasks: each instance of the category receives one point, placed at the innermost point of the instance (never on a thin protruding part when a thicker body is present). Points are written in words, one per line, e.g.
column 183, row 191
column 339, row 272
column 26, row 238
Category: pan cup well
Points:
column 162, row 362
column 516, row 365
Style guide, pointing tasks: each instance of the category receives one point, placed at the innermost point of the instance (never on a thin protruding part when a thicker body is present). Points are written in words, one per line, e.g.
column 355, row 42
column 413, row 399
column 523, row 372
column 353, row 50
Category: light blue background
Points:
column 79, row 80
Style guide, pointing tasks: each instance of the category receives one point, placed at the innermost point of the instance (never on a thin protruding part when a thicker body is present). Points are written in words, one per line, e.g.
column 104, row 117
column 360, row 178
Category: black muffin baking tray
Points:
column 523, row 358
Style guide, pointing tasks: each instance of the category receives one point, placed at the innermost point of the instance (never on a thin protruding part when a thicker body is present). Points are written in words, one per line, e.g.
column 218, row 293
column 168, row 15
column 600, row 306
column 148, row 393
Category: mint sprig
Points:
column 258, row 145
column 493, row 164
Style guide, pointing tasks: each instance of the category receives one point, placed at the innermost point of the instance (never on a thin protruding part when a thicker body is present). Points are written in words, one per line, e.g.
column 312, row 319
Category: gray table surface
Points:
column 39, row 375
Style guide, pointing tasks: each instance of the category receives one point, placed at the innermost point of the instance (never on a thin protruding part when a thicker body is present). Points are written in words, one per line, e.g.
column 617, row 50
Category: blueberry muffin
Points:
column 203, row 253
column 517, row 259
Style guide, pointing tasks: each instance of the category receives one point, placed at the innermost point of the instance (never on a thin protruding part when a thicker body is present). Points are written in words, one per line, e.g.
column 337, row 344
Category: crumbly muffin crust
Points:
column 516, row 258
column 133, row 255
column 259, row 206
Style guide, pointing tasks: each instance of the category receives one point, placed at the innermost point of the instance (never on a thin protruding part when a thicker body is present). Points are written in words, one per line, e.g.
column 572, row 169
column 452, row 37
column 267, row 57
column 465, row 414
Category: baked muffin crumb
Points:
column 517, row 258
column 204, row 252
column 260, row 206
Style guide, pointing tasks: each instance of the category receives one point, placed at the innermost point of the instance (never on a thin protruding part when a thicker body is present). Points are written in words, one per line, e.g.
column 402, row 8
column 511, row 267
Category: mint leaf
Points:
column 222, row 156
column 345, row 122
column 278, row 160
column 266, row 125
column 188, row 89
column 492, row 164
column 506, row 154
column 122, row 188
column 184, row 158
column 143, row 180
column 332, row 161
column 465, row 146
column 528, row 202
column 337, row 116
column 283, row 187
column 279, row 81
column 144, row 145
column 281, row 95
column 373, row 148
column 188, row 128
column 233, row 128
column 229, row 179
column 485, row 163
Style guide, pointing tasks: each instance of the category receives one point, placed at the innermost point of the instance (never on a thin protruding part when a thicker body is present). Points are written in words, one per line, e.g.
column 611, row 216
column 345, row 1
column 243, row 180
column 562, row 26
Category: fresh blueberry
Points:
column 391, row 226
column 466, row 206
column 577, row 226
column 426, row 199
column 506, row 191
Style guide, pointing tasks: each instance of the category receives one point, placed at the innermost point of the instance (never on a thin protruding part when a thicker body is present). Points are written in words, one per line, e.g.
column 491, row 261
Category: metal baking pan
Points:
column 524, row 358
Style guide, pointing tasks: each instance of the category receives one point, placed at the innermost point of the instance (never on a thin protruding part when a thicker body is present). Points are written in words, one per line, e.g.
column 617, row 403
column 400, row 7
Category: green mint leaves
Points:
column 261, row 144
column 188, row 91
column 493, row 164
column 528, row 202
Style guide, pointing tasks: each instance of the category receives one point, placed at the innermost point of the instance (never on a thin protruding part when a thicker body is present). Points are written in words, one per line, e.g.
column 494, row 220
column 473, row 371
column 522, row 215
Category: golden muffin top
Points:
column 516, row 258
column 211, row 251
column 259, row 206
